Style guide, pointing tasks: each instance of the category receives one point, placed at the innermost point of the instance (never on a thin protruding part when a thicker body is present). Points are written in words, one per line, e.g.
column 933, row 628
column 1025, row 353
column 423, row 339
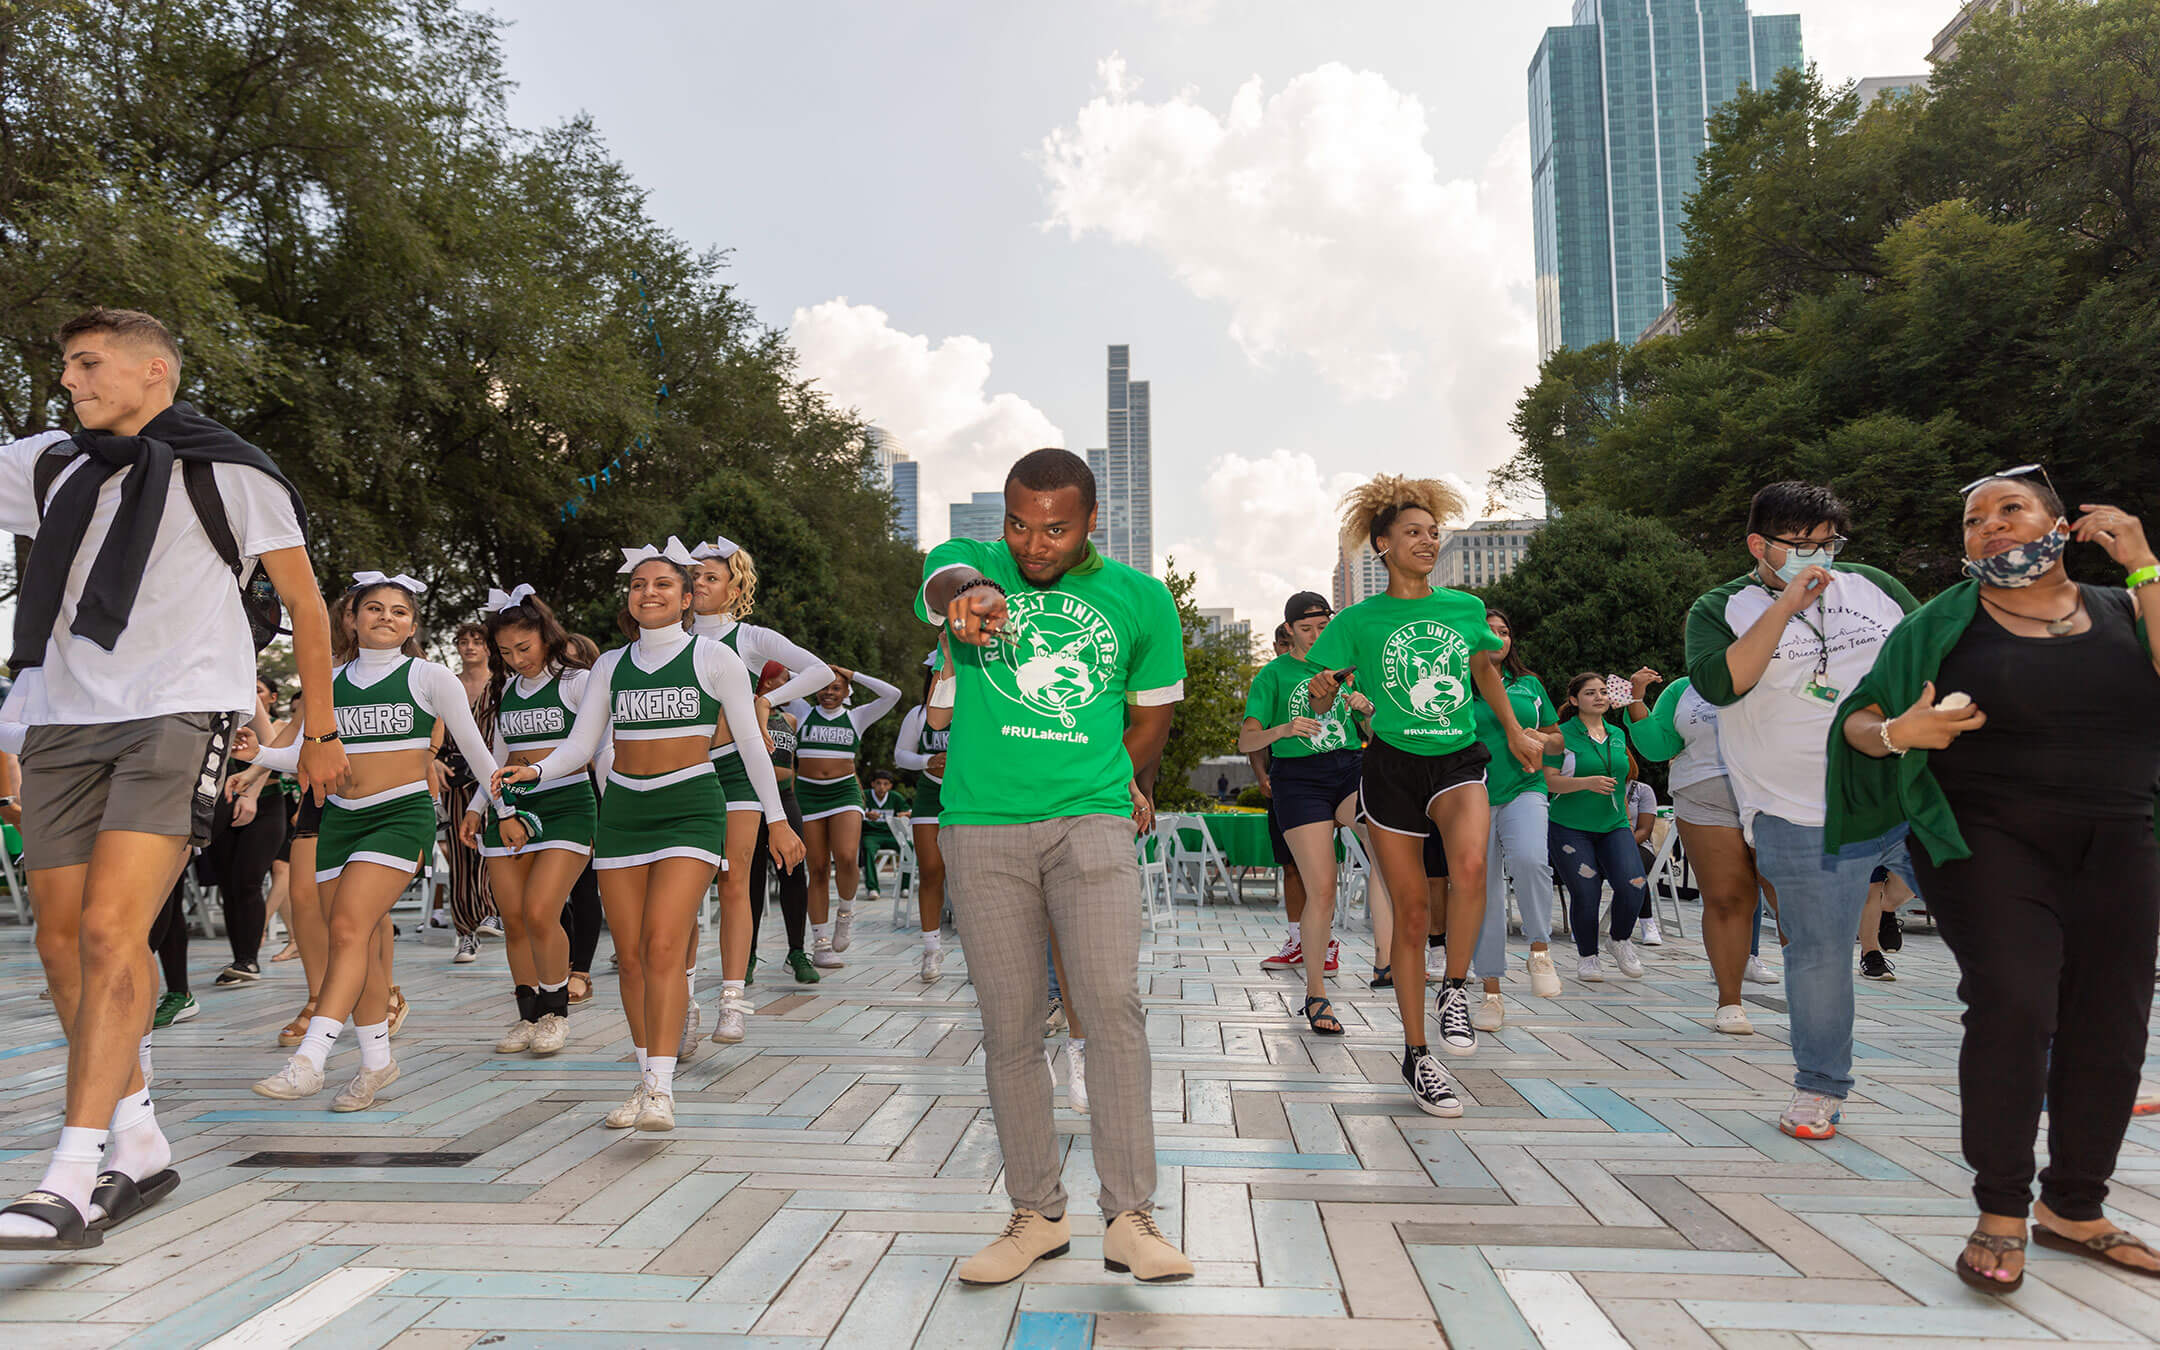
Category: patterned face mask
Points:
column 2023, row 565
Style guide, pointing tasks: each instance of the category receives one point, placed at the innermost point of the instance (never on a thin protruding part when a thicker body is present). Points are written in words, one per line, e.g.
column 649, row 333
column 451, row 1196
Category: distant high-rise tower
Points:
column 1124, row 478
column 1619, row 104
column 980, row 517
column 896, row 473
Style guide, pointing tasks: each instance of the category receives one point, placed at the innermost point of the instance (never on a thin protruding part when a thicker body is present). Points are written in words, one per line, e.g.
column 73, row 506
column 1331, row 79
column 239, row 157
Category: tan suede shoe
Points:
column 1133, row 1243
column 1028, row 1238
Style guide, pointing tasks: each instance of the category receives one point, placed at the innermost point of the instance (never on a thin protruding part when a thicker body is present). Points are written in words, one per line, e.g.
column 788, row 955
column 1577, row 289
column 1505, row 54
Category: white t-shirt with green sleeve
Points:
column 1038, row 729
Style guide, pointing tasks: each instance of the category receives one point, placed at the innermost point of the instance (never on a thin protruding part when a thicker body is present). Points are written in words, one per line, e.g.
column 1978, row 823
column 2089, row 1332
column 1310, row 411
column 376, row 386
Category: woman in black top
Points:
column 2032, row 816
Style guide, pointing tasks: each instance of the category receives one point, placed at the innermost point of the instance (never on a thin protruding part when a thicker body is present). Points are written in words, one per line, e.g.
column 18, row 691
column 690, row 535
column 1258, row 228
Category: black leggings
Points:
column 236, row 861
column 169, row 939
column 581, row 919
column 2052, row 921
column 794, row 884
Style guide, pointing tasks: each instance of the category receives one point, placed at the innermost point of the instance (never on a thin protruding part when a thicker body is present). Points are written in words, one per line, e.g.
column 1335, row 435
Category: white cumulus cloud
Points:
column 1318, row 219
column 933, row 396
column 1272, row 533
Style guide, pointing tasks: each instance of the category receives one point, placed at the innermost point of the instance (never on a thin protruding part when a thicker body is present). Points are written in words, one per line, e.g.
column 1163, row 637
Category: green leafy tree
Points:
column 1206, row 723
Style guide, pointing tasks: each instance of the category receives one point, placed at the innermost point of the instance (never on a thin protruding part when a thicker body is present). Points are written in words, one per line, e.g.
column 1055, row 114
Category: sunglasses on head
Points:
column 2021, row 471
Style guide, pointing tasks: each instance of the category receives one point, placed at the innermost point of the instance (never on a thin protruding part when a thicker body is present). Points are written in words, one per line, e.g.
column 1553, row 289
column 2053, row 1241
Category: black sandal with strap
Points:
column 2001, row 1244
column 70, row 1231
column 122, row 1197
column 2097, row 1248
column 1322, row 1019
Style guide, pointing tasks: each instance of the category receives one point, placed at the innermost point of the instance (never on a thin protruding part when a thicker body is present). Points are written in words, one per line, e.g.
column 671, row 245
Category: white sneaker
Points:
column 821, row 955
column 693, row 1021
column 1647, row 933
column 491, row 926
column 517, row 1039
column 1544, row 980
column 658, row 1112
column 468, row 950
column 1732, row 1020
column 843, row 929
column 1759, row 973
column 359, row 1094
column 1075, row 1075
column 299, row 1078
column 624, row 1116
column 1490, row 1015
column 550, row 1034
column 933, row 966
column 730, row 1022
column 1436, row 962
column 1625, row 957
column 1588, row 970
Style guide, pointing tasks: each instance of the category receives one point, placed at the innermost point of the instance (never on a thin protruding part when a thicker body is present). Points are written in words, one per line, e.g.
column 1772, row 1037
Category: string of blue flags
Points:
column 593, row 482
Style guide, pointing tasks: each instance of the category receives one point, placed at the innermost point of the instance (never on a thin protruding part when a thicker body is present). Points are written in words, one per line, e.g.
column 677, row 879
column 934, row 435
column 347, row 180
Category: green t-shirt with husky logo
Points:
column 1413, row 662
column 1278, row 694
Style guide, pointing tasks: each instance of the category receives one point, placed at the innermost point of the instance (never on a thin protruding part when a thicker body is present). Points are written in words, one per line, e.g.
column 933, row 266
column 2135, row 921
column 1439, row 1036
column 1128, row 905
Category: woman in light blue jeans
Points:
column 1517, row 845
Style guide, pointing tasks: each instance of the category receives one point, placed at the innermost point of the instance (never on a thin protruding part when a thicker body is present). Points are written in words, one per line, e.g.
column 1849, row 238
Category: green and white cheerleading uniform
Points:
column 917, row 745
column 666, row 685
column 536, row 715
column 837, row 735
column 756, row 646
column 387, row 701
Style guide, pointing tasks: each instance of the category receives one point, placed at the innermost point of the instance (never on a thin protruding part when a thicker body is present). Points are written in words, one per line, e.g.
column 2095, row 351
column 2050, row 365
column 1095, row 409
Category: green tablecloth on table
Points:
column 1241, row 837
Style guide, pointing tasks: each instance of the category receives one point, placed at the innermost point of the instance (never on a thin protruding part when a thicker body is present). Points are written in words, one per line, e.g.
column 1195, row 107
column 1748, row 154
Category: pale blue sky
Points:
column 1324, row 276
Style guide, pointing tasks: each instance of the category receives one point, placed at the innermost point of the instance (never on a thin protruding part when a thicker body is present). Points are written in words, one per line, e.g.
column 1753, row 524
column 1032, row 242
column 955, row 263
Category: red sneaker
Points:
column 1292, row 954
column 1334, row 956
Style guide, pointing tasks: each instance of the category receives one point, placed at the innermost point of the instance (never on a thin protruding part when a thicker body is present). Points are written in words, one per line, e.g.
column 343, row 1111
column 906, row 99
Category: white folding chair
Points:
column 1664, row 878
column 1353, row 874
column 18, row 888
column 1204, row 859
column 907, row 874
column 1155, row 902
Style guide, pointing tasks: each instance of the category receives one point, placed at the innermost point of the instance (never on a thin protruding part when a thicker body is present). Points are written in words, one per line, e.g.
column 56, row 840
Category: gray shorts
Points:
column 156, row 775
column 1709, row 802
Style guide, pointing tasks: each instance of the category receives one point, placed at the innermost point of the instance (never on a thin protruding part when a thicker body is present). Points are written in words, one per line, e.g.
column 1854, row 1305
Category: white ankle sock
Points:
column 1079, row 1043
column 821, row 932
column 72, row 1174
column 563, row 983
column 933, row 940
column 732, row 989
column 690, row 982
column 660, row 1074
column 374, row 1045
column 142, row 1057
column 135, row 1144
column 322, row 1033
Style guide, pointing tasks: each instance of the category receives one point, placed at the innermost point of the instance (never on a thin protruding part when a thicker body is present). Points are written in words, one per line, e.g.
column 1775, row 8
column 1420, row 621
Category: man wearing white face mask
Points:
column 1775, row 649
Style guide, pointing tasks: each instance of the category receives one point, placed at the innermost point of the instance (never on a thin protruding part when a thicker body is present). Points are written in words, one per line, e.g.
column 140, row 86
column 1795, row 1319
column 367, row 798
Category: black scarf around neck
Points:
column 180, row 432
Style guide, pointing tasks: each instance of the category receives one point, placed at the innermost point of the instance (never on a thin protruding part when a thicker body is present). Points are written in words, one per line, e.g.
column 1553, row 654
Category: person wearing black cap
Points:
column 1317, row 762
column 1293, row 887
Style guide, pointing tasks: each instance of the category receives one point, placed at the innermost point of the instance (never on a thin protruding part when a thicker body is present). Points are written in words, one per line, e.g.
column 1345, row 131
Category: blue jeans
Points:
column 1520, row 848
column 1820, row 898
column 1754, row 942
column 1587, row 862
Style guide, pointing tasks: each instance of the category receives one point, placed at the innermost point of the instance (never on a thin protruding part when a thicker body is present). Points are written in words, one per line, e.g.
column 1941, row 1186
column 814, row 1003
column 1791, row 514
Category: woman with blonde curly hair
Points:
column 724, row 593
column 1422, row 654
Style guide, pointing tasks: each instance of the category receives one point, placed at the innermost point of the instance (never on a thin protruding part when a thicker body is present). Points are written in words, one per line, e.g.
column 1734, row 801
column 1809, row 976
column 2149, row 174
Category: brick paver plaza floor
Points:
column 1617, row 1179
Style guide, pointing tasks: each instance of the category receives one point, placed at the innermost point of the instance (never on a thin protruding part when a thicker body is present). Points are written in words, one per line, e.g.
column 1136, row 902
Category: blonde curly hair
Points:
column 1368, row 510
column 743, row 569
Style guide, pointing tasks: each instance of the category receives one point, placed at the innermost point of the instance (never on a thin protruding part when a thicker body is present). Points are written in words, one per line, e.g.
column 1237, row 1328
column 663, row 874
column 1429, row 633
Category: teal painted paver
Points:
column 1054, row 1331
column 1473, row 1308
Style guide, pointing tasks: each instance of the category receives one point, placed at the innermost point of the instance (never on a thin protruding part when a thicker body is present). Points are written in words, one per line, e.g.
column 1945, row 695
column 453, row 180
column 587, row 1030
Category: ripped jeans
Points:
column 1586, row 862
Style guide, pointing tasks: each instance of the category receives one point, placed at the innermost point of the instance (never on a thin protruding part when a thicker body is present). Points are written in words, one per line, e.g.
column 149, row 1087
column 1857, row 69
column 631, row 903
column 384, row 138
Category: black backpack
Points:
column 258, row 595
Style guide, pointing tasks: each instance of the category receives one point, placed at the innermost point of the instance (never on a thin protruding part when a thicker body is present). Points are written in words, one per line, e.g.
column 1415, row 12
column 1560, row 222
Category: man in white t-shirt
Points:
column 132, row 631
column 1775, row 649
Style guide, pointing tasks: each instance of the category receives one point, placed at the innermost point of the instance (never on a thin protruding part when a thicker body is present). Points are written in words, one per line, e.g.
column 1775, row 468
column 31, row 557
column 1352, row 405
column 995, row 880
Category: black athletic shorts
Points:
column 307, row 821
column 1309, row 788
column 1275, row 836
column 1400, row 787
column 1435, row 856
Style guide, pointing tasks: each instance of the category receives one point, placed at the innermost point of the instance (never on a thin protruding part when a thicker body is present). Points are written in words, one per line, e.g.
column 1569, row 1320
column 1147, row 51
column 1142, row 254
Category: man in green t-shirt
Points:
column 1068, row 666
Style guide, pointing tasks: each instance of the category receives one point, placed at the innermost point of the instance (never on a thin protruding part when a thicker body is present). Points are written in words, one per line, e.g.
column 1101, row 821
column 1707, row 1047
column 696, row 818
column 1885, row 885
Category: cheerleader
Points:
column 662, row 814
column 378, row 831
column 921, row 748
column 832, row 802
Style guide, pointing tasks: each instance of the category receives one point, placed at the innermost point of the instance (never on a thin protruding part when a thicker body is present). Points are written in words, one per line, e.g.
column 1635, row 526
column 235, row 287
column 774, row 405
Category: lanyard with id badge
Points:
column 1818, row 690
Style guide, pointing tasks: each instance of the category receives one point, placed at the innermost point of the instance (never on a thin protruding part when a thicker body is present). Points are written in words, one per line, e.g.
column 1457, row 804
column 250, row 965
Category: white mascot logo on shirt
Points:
column 1417, row 670
column 1334, row 731
column 1062, row 655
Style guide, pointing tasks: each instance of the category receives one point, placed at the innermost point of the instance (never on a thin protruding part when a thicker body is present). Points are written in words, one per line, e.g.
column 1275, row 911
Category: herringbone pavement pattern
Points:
column 1616, row 1181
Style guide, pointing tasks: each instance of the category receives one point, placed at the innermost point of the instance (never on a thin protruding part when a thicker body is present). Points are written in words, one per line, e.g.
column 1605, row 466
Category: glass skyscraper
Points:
column 1619, row 102
column 981, row 516
column 1124, row 472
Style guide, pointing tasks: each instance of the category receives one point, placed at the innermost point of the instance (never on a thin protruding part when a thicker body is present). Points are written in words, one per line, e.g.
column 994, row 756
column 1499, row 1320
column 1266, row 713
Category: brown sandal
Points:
column 398, row 1009
column 580, row 988
column 2097, row 1248
column 2001, row 1244
column 296, row 1030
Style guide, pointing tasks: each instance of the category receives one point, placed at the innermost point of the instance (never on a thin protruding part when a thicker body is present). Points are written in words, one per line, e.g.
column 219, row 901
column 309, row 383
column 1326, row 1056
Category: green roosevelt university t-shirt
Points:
column 1038, row 727
column 1413, row 662
column 1278, row 694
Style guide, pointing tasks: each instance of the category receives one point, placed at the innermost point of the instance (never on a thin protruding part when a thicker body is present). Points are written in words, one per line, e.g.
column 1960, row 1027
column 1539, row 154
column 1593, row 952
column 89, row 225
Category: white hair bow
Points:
column 721, row 547
column 498, row 601
column 378, row 579
column 674, row 553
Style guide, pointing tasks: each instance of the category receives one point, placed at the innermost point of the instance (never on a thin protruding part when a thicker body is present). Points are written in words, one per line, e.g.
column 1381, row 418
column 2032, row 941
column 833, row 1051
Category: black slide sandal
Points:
column 122, row 1197
column 70, row 1233
column 1323, row 1013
